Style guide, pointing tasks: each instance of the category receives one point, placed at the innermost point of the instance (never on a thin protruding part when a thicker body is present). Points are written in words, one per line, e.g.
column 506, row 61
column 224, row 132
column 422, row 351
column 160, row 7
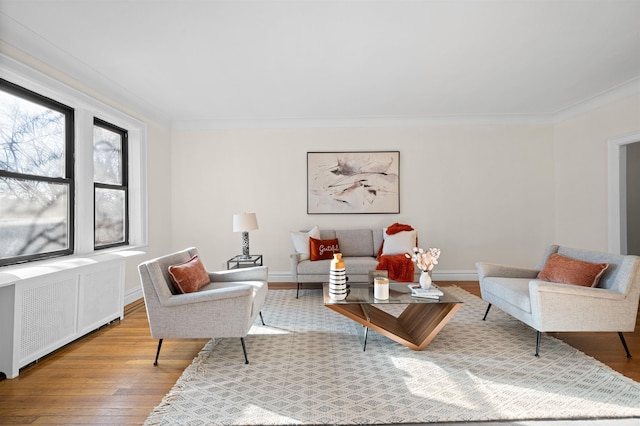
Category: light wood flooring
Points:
column 108, row 377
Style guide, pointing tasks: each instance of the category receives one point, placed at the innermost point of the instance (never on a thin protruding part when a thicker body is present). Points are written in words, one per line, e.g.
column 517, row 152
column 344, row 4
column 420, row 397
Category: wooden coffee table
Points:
column 415, row 327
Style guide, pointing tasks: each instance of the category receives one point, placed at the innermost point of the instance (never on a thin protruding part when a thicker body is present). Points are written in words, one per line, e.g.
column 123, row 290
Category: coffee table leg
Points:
column 363, row 332
column 366, row 333
column 366, row 310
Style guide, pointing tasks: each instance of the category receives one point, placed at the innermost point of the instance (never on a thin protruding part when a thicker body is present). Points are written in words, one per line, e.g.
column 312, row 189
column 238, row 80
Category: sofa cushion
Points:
column 399, row 243
column 301, row 241
column 610, row 277
column 327, row 234
column 360, row 265
column 323, row 249
column 190, row 276
column 353, row 265
column 355, row 242
column 307, row 267
column 513, row 290
column 567, row 270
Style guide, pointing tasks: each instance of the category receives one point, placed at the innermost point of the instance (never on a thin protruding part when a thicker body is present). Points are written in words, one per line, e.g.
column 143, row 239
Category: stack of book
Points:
column 432, row 292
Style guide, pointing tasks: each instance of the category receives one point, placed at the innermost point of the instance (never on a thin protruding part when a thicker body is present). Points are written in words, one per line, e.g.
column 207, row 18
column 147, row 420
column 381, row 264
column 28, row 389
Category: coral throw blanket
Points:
column 399, row 267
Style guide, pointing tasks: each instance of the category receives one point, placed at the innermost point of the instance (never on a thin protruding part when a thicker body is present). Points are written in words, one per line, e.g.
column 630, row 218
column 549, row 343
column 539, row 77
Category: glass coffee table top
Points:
column 399, row 293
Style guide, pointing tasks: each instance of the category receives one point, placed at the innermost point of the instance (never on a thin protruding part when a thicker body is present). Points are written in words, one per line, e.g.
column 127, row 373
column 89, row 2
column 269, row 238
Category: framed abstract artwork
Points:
column 353, row 182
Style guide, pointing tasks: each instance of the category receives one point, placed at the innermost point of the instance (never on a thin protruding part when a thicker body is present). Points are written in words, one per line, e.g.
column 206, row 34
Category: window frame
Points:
column 86, row 107
column 69, row 169
column 124, row 186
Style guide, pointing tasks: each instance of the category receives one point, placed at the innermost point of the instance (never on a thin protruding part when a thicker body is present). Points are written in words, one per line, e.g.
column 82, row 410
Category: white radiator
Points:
column 43, row 313
column 47, row 318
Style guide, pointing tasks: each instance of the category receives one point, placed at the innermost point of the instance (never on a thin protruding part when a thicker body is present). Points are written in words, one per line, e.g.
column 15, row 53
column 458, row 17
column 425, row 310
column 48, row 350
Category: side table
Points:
column 237, row 262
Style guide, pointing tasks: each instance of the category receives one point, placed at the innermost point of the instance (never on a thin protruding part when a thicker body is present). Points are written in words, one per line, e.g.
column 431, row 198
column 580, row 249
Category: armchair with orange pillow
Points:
column 571, row 290
column 184, row 300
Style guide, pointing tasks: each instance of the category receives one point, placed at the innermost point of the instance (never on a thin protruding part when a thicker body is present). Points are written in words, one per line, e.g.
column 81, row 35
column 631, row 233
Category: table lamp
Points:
column 244, row 223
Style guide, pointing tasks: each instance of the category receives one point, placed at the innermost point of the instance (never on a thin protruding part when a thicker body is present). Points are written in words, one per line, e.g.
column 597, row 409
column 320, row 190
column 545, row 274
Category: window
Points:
column 111, row 225
column 36, row 176
column 72, row 172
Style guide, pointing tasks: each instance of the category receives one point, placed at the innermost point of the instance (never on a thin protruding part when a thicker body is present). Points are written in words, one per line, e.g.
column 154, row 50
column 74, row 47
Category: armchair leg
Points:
column 261, row 318
column 624, row 343
column 244, row 349
column 487, row 311
column 298, row 291
column 158, row 352
column 538, row 338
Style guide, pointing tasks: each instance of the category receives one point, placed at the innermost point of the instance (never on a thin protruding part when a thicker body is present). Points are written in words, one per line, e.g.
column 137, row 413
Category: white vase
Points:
column 425, row 280
column 338, row 288
column 381, row 288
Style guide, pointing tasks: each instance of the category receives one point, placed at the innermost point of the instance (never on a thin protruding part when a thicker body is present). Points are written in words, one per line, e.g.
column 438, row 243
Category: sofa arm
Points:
column 566, row 307
column 495, row 270
column 559, row 290
column 241, row 290
column 295, row 259
column 256, row 273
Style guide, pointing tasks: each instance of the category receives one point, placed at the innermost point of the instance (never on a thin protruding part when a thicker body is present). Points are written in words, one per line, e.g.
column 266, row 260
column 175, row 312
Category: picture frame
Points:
column 377, row 273
column 357, row 182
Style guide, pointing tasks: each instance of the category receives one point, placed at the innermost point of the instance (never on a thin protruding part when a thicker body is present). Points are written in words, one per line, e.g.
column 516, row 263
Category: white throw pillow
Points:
column 399, row 243
column 301, row 241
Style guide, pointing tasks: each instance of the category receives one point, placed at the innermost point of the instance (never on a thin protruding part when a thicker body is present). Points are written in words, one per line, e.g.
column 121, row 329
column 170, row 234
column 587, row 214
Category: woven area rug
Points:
column 307, row 366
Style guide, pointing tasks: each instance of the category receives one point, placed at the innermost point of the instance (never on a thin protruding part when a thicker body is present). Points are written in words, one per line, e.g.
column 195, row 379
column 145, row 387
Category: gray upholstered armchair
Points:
column 226, row 307
column 549, row 306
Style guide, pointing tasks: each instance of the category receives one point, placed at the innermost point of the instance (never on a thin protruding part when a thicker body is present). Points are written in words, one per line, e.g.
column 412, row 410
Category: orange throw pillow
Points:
column 323, row 249
column 189, row 276
column 566, row 270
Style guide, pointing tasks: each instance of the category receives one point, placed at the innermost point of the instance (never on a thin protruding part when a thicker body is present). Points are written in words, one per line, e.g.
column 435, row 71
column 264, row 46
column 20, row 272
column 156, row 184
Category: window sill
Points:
column 11, row 274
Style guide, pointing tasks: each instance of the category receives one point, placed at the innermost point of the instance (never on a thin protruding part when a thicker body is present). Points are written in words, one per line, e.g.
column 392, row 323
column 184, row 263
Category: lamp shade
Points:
column 245, row 222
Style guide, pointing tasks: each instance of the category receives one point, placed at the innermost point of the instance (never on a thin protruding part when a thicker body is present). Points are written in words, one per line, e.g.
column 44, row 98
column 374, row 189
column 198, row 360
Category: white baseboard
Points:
column 132, row 295
column 281, row 277
column 451, row 275
column 461, row 275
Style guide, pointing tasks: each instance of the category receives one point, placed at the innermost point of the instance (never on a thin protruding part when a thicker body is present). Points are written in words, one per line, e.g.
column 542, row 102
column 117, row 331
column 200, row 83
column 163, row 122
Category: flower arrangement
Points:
column 424, row 260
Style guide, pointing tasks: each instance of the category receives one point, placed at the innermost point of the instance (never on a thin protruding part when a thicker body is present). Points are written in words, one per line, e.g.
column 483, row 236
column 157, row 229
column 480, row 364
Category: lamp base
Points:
column 245, row 246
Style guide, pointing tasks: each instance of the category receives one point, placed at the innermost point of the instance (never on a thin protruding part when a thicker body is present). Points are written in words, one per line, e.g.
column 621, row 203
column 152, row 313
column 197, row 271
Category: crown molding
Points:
column 54, row 66
column 46, row 58
column 355, row 122
column 630, row 88
column 42, row 81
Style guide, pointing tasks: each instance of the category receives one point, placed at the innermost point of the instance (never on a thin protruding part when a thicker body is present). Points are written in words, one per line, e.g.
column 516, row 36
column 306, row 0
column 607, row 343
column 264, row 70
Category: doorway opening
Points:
column 624, row 195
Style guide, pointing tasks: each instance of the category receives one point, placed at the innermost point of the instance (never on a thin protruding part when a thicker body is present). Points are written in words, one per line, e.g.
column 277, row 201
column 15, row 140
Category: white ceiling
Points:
column 226, row 63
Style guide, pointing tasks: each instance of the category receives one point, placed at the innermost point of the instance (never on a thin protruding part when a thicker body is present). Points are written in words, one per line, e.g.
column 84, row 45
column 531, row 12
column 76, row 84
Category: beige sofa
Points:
column 550, row 307
column 359, row 248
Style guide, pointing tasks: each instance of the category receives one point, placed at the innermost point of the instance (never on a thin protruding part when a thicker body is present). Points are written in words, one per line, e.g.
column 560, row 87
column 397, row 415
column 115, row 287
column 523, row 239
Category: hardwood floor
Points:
column 108, row 377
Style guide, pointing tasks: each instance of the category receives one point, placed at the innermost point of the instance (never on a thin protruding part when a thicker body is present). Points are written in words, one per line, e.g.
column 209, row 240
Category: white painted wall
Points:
column 158, row 205
column 477, row 192
column 580, row 155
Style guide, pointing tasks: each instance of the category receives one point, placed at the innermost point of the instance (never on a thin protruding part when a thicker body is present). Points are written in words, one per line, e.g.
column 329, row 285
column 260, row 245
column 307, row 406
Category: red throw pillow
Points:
column 323, row 249
column 566, row 270
column 189, row 276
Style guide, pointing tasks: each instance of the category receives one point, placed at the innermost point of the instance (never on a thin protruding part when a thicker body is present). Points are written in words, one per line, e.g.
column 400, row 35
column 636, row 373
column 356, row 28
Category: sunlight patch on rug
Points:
column 308, row 367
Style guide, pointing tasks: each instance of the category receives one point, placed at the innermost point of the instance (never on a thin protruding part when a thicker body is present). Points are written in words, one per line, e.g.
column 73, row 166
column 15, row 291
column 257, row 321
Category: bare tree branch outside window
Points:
column 110, row 180
column 34, row 188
